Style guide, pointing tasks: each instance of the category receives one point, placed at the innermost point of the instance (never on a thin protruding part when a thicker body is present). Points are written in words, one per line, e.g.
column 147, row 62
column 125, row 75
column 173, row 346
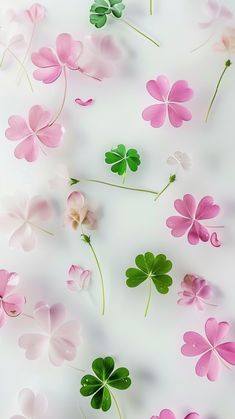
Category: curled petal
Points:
column 13, row 304
column 214, row 240
column 84, row 102
column 35, row 13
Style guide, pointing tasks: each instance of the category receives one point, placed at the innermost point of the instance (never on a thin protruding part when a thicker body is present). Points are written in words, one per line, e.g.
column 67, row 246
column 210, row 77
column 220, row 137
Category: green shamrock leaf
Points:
column 101, row 8
column 120, row 159
column 153, row 268
column 99, row 385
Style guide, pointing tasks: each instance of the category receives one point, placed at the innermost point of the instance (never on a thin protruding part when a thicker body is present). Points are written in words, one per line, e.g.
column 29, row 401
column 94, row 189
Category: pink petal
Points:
column 90, row 219
column 159, row 88
column 23, row 237
column 185, row 301
column 42, row 316
column 179, row 225
column 196, row 232
column 76, row 200
column 35, row 13
column 192, row 416
column 213, row 7
column 28, row 149
column 226, row 13
column 205, row 292
column 167, row 414
column 208, row 365
column 178, row 114
column 63, row 344
column 4, row 282
column 195, row 344
column 2, row 316
column 57, row 316
column 214, row 240
column 186, row 206
column 156, row 114
column 68, row 50
column 180, row 92
column 47, row 75
column 18, row 128
column 38, row 118
column 84, row 103
column 215, row 331
column 39, row 208
column 227, row 352
column 207, row 209
column 51, row 136
column 45, row 58
column 40, row 405
column 13, row 304
column 26, row 402
column 34, row 345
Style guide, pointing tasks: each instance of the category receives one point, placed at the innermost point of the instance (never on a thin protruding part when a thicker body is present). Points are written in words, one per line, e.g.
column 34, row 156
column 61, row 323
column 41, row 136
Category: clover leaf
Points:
column 120, row 159
column 153, row 268
column 100, row 9
column 98, row 385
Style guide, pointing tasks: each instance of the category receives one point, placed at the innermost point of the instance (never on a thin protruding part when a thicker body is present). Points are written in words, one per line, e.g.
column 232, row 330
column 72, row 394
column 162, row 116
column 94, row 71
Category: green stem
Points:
column 27, row 52
column 82, row 413
column 151, row 7
column 124, row 178
column 171, row 180
column 140, row 32
column 21, row 65
column 227, row 65
column 63, row 100
column 116, row 404
column 149, row 297
column 87, row 240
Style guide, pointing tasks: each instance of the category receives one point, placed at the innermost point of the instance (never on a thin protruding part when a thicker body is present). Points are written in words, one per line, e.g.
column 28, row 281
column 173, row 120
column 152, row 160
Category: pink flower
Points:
column 212, row 350
column 21, row 221
column 227, row 42
column 10, row 304
column 168, row 414
column 37, row 130
column 100, row 56
column 195, row 291
column 51, row 64
column 190, row 218
column 32, row 406
column 59, row 338
column 77, row 212
column 169, row 98
column 180, row 159
column 217, row 13
column 79, row 278
column 35, row 13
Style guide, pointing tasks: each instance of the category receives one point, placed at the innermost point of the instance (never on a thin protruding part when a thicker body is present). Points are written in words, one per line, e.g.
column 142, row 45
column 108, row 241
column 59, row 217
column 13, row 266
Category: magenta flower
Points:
column 58, row 337
column 77, row 212
column 168, row 414
column 51, row 64
column 195, row 291
column 38, row 130
column 32, row 406
column 10, row 304
column 212, row 350
column 22, row 220
column 35, row 13
column 191, row 216
column 170, row 99
column 79, row 278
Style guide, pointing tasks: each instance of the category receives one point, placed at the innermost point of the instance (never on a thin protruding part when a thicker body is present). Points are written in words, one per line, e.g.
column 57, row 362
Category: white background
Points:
column 129, row 223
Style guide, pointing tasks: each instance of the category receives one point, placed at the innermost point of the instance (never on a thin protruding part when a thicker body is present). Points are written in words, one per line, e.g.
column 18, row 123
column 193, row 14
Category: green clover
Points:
column 99, row 385
column 120, row 159
column 100, row 9
column 153, row 268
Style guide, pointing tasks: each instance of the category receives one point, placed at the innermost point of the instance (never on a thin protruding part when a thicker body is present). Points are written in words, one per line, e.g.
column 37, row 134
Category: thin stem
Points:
column 140, row 32
column 88, row 241
column 27, row 52
column 149, row 297
column 124, row 178
column 40, row 228
column 151, row 7
column 227, row 65
column 116, row 404
column 77, row 369
column 27, row 315
column 171, row 180
column 204, row 43
column 214, row 226
column 64, row 98
column 3, row 57
column 22, row 66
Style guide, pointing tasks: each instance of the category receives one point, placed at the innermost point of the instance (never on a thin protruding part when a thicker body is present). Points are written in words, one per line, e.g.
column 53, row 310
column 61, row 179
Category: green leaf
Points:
column 120, row 379
column 90, row 385
column 120, row 159
column 135, row 277
column 101, row 8
column 103, row 367
column 102, row 399
column 98, row 20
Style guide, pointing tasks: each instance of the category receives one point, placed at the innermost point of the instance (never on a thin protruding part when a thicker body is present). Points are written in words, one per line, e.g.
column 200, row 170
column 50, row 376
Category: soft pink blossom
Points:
column 10, row 304
column 32, row 406
column 168, row 414
column 195, row 291
column 191, row 216
column 59, row 338
column 22, row 220
column 77, row 212
column 34, row 133
column 35, row 13
column 51, row 64
column 217, row 13
column 180, row 159
column 79, row 278
column 213, row 352
column 170, row 99
column 227, row 42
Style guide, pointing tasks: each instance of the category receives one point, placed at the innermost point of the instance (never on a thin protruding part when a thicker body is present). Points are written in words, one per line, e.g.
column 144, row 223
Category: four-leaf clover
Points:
column 99, row 384
column 153, row 268
column 120, row 159
column 100, row 9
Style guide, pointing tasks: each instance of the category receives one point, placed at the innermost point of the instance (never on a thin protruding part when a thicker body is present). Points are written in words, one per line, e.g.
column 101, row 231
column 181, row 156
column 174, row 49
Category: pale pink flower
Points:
column 51, row 64
column 212, row 350
column 36, row 131
column 32, row 406
column 21, row 220
column 10, row 304
column 168, row 414
column 77, row 212
column 59, row 338
column 100, row 56
column 227, row 42
column 35, row 13
column 170, row 99
column 195, row 291
column 79, row 278
column 191, row 216
column 180, row 159
column 217, row 13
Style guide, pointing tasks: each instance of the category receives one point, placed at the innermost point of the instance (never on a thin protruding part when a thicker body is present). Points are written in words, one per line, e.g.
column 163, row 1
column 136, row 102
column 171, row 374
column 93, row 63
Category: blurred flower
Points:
column 168, row 414
column 227, row 42
column 195, row 291
column 79, row 278
column 35, row 13
column 10, row 304
column 217, row 13
column 32, row 406
column 181, row 159
column 77, row 212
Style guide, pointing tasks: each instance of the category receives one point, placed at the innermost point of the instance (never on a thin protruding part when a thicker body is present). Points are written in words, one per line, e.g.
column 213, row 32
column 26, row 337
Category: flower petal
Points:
column 156, row 114
column 179, row 225
column 178, row 114
column 39, row 209
column 196, row 232
column 195, row 344
column 63, row 344
column 208, row 365
column 227, row 352
column 26, row 402
column 28, row 149
column 45, row 58
column 159, row 88
column 84, row 102
column 207, row 209
column 214, row 240
column 68, row 50
column 76, row 200
column 39, row 118
column 167, row 414
column 180, row 92
column 13, row 304
column 34, row 345
column 215, row 331
column 2, row 316
column 35, row 13
column 18, row 128
column 51, row 136
column 23, row 237
column 186, row 206
column 47, row 75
